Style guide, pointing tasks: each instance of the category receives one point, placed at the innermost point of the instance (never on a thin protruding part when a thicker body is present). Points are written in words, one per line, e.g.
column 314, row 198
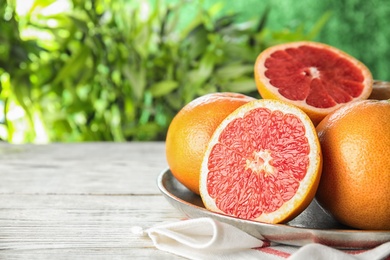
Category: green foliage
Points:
column 361, row 28
column 120, row 70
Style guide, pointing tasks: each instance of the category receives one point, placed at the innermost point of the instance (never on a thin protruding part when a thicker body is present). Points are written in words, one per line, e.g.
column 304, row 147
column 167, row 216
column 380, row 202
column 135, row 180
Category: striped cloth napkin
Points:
column 205, row 238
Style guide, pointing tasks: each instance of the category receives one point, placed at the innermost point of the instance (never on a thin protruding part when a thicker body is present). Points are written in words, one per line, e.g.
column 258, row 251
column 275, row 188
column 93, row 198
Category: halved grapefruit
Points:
column 316, row 77
column 262, row 163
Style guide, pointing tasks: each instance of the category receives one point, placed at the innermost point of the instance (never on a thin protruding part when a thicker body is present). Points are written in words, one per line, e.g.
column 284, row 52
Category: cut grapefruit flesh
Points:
column 316, row 77
column 263, row 163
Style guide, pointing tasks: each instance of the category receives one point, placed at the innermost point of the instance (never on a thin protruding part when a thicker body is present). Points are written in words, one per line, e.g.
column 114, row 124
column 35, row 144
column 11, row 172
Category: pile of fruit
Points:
column 315, row 133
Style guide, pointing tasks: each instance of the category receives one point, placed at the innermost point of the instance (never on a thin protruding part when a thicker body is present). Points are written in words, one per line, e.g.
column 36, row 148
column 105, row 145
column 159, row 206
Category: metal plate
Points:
column 313, row 225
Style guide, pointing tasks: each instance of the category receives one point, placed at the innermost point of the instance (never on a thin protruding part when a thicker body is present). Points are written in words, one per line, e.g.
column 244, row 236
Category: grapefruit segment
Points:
column 262, row 163
column 316, row 77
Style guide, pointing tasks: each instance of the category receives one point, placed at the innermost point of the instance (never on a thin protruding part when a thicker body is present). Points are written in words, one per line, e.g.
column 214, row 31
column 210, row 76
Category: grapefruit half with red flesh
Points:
column 263, row 163
column 314, row 76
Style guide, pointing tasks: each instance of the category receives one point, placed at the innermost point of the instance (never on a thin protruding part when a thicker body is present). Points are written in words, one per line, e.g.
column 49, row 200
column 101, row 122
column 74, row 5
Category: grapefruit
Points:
column 380, row 90
column 263, row 163
column 355, row 182
column 316, row 77
column 190, row 131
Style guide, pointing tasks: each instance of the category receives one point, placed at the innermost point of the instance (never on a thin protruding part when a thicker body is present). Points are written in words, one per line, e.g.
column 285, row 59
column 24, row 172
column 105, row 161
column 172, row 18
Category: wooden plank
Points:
column 89, row 253
column 85, row 225
column 81, row 200
column 81, row 168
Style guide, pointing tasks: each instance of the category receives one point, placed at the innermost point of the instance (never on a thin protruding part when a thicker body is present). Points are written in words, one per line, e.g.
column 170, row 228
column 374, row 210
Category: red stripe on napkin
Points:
column 273, row 251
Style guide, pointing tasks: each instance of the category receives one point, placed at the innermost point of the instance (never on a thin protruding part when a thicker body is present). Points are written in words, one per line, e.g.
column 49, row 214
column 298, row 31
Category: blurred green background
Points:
column 102, row 70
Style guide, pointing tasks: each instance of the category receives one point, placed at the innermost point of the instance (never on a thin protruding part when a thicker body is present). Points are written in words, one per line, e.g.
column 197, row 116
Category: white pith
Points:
column 260, row 162
column 314, row 73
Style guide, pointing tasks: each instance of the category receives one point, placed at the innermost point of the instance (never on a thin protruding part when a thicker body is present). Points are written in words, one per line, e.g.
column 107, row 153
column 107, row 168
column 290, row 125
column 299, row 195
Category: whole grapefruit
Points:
column 355, row 182
column 190, row 131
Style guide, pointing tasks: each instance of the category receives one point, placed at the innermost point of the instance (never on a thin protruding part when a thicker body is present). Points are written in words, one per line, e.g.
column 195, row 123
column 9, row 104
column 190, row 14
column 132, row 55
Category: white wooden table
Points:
column 80, row 201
